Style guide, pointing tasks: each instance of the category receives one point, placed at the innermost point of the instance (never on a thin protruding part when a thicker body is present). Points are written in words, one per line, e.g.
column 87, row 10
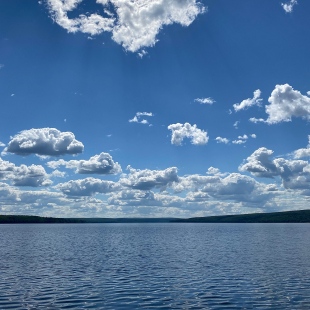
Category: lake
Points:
column 155, row 266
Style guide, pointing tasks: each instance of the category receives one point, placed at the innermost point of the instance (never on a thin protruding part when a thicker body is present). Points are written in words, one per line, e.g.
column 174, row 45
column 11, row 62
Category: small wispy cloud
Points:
column 221, row 140
column 208, row 100
column 139, row 115
column 289, row 6
column 256, row 100
column 236, row 124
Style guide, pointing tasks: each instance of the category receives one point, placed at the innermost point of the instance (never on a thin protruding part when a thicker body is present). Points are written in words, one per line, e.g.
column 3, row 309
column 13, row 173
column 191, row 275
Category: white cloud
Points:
column 304, row 152
column 137, row 118
column 244, row 137
column 34, row 175
column 142, row 53
column 2, row 144
column 256, row 120
column 253, row 135
column 249, row 102
column 221, row 140
column 87, row 187
column 133, row 24
column 239, row 141
column 259, row 164
column 295, row 174
column 148, row 179
column 236, row 124
column 44, row 141
column 6, row 167
column 288, row 6
column 234, row 187
column 182, row 131
column 98, row 164
column 208, row 100
column 285, row 103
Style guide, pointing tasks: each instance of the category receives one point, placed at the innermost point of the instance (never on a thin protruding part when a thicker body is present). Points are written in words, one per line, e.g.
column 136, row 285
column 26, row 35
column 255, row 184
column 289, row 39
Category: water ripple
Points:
column 155, row 266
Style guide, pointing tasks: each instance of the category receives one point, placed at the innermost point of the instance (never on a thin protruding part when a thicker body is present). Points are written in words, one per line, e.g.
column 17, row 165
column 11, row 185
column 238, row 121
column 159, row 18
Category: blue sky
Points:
column 154, row 108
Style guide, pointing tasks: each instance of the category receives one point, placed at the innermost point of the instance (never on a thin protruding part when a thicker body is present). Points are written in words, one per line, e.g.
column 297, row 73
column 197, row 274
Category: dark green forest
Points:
column 302, row 216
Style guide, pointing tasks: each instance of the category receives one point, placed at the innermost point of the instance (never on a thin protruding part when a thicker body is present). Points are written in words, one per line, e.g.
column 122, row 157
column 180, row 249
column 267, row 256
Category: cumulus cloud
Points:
column 6, row 167
column 260, row 164
column 304, row 152
column 288, row 6
column 221, row 140
column 2, row 144
column 34, row 175
column 129, row 197
column 44, row 141
column 256, row 100
column 182, row 131
column 235, row 187
column 133, row 24
column 208, row 100
column 98, row 164
column 285, row 103
column 137, row 118
column 149, row 179
column 86, row 187
column 295, row 174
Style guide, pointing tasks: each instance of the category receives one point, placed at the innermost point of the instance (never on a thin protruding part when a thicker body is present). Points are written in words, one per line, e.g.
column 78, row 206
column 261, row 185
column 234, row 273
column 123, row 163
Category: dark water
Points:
column 155, row 266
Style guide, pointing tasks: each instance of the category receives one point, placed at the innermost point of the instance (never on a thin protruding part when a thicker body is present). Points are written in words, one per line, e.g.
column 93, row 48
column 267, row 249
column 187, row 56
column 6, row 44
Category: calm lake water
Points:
column 155, row 266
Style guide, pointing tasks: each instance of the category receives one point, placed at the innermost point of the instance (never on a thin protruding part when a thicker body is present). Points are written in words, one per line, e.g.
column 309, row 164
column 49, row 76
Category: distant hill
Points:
column 30, row 219
column 302, row 216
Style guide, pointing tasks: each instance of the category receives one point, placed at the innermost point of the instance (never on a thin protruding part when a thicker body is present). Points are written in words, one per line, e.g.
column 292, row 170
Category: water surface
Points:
column 155, row 266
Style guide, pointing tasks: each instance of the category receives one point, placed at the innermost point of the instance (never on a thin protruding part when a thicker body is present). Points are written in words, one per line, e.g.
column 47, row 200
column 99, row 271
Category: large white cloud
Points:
column 295, row 174
column 235, row 187
column 44, row 141
column 260, row 164
column 34, row 175
column 86, row 187
column 182, row 131
column 149, row 179
column 285, row 103
column 98, row 164
column 134, row 24
column 256, row 100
